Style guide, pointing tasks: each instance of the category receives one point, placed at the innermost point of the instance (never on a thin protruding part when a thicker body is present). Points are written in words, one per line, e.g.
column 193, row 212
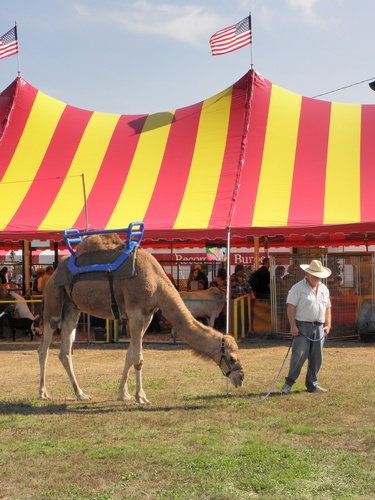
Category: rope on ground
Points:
column 273, row 385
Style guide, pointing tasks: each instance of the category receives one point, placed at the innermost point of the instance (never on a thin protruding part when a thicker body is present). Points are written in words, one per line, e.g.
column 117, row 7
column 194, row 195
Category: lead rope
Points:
column 278, row 375
column 273, row 385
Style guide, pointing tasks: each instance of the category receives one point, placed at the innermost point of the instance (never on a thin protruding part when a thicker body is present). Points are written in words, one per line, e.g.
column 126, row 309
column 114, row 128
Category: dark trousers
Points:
column 305, row 349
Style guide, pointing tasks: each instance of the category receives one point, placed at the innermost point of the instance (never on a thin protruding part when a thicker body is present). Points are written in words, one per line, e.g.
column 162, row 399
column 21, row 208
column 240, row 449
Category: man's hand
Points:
column 294, row 331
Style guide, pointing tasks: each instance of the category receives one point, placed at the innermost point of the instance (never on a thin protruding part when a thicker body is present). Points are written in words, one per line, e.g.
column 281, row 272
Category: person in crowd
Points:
column 3, row 275
column 260, row 280
column 220, row 280
column 290, row 278
column 365, row 276
column 309, row 314
column 279, row 273
column 4, row 282
column 48, row 273
column 281, row 292
column 336, row 289
column 196, row 274
column 238, row 283
column 37, row 283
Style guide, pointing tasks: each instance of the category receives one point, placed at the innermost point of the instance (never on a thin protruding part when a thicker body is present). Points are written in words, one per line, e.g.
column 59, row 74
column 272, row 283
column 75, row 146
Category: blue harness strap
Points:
column 134, row 233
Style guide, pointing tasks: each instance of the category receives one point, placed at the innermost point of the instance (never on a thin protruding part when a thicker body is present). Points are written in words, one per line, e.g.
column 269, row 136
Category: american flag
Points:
column 9, row 43
column 231, row 38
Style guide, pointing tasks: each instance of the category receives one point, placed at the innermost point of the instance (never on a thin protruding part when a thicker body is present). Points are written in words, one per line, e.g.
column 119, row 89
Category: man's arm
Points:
column 291, row 312
column 327, row 325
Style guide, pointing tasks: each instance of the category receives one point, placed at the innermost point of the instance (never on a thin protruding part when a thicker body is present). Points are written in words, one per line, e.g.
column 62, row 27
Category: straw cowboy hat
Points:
column 316, row 269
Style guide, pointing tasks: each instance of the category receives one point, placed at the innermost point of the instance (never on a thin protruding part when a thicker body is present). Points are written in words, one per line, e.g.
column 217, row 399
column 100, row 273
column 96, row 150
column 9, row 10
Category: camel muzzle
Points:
column 225, row 366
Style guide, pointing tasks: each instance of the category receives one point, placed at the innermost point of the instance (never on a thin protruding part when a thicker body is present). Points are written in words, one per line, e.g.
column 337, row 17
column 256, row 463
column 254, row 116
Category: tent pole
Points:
column 85, row 203
column 26, row 265
column 229, row 295
column 256, row 252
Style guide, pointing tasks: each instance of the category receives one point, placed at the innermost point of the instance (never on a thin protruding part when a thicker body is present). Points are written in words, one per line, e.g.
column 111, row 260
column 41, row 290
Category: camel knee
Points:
column 138, row 365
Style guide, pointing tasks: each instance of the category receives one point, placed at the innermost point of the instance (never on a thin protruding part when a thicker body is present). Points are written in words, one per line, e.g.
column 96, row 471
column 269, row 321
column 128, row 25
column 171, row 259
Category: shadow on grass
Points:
column 87, row 408
column 238, row 397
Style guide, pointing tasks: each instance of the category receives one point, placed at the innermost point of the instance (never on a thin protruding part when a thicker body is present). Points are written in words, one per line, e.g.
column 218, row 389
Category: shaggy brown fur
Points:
column 138, row 298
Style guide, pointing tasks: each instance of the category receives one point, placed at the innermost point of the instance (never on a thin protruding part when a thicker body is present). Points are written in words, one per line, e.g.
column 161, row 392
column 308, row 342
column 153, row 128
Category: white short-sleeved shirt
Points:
column 309, row 306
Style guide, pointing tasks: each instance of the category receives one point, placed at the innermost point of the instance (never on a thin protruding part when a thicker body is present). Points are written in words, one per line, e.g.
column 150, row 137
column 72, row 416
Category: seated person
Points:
column 195, row 275
column 23, row 311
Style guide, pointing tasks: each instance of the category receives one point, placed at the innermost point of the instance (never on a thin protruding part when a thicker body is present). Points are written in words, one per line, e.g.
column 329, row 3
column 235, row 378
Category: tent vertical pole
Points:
column 26, row 266
column 55, row 254
column 256, row 252
column 85, row 203
column 86, row 229
column 229, row 295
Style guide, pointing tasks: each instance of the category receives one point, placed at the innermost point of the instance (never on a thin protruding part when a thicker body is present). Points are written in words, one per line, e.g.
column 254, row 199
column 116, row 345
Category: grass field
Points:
column 195, row 440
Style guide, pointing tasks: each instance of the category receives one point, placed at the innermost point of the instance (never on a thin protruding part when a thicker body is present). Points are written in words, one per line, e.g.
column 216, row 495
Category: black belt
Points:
column 317, row 323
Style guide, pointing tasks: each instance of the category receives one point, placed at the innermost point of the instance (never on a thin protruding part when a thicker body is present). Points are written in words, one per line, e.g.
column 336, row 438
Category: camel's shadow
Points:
column 89, row 408
column 112, row 406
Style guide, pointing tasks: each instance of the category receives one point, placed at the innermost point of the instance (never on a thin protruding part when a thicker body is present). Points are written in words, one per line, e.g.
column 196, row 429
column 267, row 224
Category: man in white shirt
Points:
column 309, row 314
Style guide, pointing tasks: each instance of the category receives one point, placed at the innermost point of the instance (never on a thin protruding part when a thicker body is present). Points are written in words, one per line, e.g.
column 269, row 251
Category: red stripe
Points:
column 23, row 101
column 169, row 189
column 220, row 216
column 249, row 173
column 55, row 166
column 367, row 181
column 113, row 171
column 309, row 177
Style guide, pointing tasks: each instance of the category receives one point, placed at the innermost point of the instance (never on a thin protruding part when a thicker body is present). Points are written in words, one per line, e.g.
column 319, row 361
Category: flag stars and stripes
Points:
column 231, row 38
column 9, row 43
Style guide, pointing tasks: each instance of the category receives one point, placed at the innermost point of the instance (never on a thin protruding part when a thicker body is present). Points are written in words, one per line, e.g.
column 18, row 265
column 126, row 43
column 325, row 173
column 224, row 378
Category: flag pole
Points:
column 251, row 44
column 18, row 49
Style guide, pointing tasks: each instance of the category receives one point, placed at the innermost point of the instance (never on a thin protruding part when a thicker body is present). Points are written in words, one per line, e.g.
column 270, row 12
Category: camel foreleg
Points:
column 43, row 358
column 69, row 324
column 124, row 394
column 134, row 357
column 65, row 357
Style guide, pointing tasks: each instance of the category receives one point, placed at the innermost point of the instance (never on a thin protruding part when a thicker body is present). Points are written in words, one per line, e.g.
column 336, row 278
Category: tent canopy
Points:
column 256, row 159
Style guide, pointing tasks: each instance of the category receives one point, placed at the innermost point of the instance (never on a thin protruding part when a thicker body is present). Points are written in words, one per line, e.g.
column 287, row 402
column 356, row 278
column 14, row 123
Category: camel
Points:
column 137, row 298
column 205, row 303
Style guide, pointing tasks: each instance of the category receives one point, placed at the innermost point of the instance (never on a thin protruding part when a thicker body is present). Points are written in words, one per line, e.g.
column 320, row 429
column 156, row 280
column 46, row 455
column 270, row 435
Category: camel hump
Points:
column 102, row 240
column 99, row 243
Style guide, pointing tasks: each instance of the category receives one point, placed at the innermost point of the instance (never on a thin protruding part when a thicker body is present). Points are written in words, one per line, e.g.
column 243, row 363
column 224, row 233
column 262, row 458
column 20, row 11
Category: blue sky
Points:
column 141, row 56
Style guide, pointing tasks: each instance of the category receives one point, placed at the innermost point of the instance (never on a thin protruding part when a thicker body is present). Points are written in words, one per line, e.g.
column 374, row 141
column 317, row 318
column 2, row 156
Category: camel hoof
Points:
column 142, row 400
column 43, row 395
column 124, row 397
column 83, row 397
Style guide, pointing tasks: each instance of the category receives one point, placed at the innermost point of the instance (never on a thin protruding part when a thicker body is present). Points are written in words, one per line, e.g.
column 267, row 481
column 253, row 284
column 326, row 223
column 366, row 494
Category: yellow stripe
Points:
column 143, row 173
column 342, row 194
column 87, row 160
column 32, row 146
column 275, row 182
column 200, row 192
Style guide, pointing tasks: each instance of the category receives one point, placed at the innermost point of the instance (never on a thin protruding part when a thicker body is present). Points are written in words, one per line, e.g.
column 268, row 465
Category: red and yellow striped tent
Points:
column 255, row 159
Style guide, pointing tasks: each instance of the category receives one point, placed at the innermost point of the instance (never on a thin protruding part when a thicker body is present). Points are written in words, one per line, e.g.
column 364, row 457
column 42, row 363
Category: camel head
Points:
column 229, row 362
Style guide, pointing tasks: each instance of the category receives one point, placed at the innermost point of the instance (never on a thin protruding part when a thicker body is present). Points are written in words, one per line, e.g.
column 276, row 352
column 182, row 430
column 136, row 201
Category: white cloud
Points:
column 307, row 9
column 189, row 23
